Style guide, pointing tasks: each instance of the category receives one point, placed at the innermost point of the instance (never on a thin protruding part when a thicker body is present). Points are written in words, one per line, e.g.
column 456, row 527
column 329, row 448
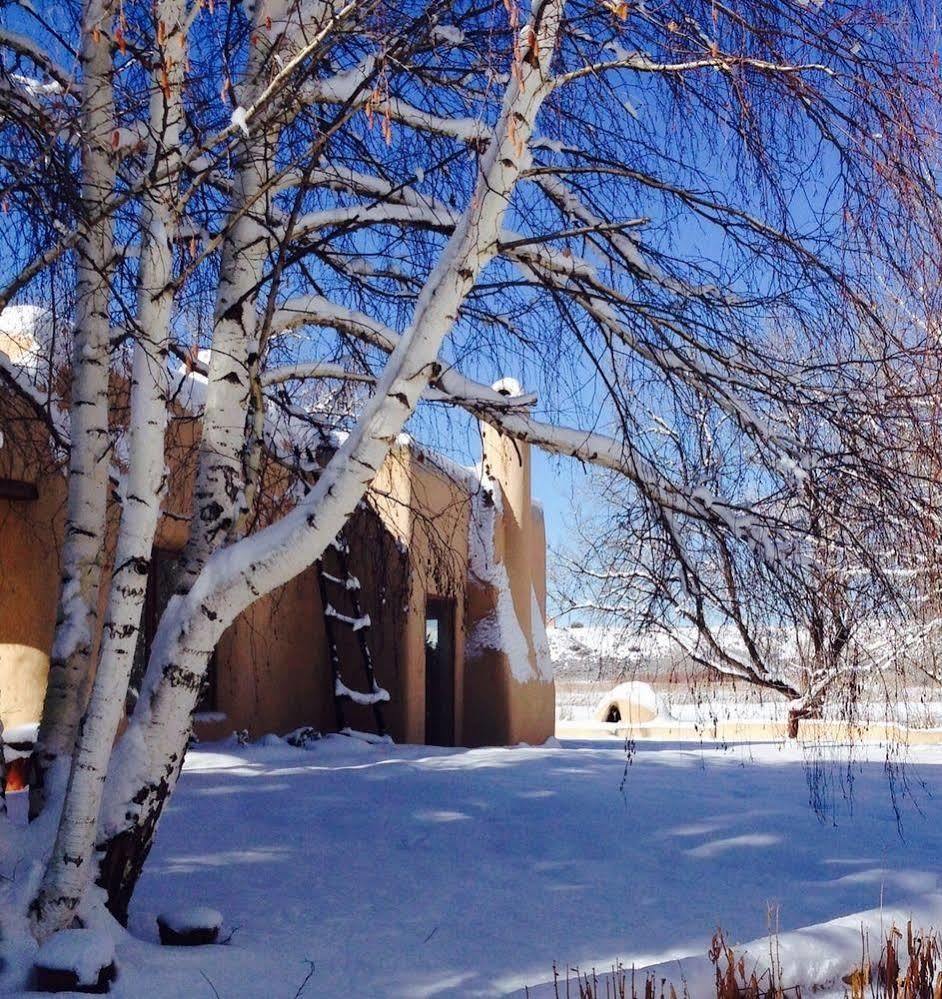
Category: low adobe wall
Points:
column 30, row 538
column 811, row 731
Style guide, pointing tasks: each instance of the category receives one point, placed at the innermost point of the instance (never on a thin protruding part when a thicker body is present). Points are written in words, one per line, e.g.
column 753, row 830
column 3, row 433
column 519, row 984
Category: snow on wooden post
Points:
column 507, row 462
column 76, row 961
column 195, row 926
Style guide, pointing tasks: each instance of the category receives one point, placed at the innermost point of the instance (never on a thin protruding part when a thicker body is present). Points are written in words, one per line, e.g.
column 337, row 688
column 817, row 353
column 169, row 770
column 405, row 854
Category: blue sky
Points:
column 554, row 480
column 571, row 388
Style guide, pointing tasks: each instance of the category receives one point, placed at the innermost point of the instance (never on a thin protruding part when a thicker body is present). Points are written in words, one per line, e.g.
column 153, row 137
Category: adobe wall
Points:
column 30, row 537
column 273, row 668
column 427, row 511
column 274, row 671
column 273, row 663
column 501, row 706
column 508, row 699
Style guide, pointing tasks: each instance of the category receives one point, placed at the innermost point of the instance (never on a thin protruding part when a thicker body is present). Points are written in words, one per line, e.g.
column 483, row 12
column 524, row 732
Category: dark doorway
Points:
column 439, row 671
column 163, row 575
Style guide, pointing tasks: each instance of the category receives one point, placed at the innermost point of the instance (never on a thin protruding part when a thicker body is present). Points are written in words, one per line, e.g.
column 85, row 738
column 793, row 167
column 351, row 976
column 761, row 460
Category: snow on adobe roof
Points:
column 30, row 351
column 28, row 340
column 28, row 336
column 468, row 476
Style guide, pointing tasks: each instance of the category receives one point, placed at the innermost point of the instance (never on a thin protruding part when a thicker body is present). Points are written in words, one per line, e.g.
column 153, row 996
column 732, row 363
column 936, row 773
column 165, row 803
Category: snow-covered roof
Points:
column 32, row 350
column 468, row 476
column 30, row 338
column 29, row 341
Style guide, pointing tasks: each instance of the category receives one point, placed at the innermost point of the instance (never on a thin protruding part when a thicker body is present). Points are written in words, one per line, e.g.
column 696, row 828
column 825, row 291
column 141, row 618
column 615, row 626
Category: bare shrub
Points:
column 910, row 972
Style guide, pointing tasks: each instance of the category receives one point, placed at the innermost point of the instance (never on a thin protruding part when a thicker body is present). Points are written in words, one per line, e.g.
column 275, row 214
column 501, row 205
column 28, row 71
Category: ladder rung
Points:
column 377, row 696
column 350, row 583
column 357, row 623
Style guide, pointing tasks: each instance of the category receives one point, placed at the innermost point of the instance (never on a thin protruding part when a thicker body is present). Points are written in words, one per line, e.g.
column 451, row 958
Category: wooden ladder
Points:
column 349, row 588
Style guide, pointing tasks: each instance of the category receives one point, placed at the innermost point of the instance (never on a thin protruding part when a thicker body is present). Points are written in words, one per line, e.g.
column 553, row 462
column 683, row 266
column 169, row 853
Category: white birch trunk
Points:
column 219, row 497
column 70, row 865
column 148, row 761
column 88, row 456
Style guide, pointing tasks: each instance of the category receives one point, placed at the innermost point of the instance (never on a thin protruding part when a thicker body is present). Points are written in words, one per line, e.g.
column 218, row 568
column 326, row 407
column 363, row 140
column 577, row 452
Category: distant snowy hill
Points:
column 608, row 654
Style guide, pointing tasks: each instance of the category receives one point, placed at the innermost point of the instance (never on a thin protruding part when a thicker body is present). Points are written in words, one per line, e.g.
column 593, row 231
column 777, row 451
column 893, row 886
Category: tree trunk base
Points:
column 123, row 856
column 793, row 719
column 120, row 869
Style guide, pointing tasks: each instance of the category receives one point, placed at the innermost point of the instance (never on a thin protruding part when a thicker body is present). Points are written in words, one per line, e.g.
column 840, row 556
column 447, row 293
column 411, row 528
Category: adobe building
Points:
column 438, row 583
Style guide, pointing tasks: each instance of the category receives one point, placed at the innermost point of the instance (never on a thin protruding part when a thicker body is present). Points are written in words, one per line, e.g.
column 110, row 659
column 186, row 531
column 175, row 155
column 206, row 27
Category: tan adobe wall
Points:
column 273, row 670
column 508, row 698
column 428, row 512
column 30, row 536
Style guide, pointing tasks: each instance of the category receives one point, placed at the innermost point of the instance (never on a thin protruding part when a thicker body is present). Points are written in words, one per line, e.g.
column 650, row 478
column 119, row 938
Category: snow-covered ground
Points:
column 411, row 871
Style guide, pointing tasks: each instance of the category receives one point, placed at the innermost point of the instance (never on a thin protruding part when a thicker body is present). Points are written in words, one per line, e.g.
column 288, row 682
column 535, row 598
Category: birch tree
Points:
column 398, row 202
column 88, row 468
column 67, row 871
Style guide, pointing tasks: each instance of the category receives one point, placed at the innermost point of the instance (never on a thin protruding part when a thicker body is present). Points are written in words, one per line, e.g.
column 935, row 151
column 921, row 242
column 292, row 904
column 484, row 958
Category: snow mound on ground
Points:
column 815, row 958
column 635, row 703
column 188, row 918
column 372, row 738
column 83, row 952
column 303, row 737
